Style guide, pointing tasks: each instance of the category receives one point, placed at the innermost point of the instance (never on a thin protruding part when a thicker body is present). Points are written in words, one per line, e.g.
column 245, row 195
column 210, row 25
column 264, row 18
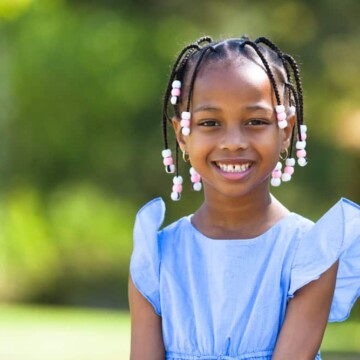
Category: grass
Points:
column 36, row 333
column 39, row 333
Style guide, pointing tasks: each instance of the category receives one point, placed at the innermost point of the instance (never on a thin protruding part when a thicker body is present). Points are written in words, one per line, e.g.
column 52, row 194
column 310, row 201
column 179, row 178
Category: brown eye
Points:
column 209, row 123
column 257, row 122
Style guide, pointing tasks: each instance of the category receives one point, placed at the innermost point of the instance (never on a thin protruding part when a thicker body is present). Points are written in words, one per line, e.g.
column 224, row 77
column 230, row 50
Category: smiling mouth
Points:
column 233, row 168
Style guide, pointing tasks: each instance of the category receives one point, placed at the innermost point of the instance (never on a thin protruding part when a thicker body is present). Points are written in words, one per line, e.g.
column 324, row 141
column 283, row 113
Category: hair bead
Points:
column 168, row 161
column 290, row 162
column 292, row 110
column 185, row 115
column 175, row 92
column 177, row 188
column 301, row 145
column 285, row 177
column 302, row 162
column 166, row 153
column 176, row 84
column 275, row 182
column 281, row 116
column 288, row 170
column 195, row 179
column 276, row 175
column 185, row 123
column 280, row 108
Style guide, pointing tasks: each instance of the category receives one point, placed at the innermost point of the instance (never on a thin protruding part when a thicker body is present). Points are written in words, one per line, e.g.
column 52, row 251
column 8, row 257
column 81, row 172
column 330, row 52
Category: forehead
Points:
column 239, row 82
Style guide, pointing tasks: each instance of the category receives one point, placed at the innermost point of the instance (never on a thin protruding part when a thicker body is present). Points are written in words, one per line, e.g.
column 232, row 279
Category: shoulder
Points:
column 291, row 222
column 300, row 224
column 291, row 229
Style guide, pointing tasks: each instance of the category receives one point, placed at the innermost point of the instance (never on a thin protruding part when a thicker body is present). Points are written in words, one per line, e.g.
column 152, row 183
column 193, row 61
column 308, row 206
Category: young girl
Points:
column 243, row 277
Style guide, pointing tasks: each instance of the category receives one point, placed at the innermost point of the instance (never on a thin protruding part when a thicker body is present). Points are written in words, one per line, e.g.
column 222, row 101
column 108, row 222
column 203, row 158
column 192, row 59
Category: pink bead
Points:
column 289, row 170
column 276, row 174
column 303, row 137
column 177, row 188
column 185, row 123
column 281, row 116
column 175, row 92
column 168, row 161
column 195, row 178
column 301, row 153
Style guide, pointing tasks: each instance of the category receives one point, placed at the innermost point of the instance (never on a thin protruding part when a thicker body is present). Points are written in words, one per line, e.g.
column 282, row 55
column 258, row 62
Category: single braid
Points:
column 167, row 94
column 296, row 71
column 268, row 69
column 196, row 68
column 180, row 74
column 297, row 109
column 177, row 158
column 207, row 39
column 280, row 53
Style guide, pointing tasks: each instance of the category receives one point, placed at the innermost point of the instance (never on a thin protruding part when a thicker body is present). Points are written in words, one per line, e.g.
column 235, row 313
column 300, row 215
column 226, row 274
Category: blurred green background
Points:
column 81, row 84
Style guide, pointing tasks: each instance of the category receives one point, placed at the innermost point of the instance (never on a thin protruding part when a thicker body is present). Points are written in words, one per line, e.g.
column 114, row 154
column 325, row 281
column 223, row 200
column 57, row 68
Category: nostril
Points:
column 234, row 143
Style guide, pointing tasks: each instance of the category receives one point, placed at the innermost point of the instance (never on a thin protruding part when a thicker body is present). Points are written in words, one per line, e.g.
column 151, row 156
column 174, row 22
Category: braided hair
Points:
column 281, row 69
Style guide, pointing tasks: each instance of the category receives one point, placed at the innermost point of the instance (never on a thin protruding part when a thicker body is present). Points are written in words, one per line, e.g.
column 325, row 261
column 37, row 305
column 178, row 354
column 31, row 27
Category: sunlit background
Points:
column 81, row 84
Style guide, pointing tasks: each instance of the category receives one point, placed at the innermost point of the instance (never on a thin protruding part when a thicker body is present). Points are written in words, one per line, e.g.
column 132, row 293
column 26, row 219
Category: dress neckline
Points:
column 244, row 241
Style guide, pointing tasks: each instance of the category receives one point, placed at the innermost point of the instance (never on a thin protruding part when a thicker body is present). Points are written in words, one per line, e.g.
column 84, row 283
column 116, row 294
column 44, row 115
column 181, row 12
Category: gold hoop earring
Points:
column 185, row 156
column 284, row 157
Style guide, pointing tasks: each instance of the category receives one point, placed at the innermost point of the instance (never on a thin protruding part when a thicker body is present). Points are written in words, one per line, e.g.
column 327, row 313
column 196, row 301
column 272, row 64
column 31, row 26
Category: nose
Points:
column 234, row 139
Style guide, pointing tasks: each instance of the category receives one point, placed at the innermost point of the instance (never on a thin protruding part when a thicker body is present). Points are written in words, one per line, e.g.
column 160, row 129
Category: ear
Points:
column 288, row 132
column 179, row 136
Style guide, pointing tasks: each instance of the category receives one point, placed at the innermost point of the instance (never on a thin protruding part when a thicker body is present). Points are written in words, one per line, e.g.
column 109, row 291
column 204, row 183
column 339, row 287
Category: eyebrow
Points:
column 253, row 107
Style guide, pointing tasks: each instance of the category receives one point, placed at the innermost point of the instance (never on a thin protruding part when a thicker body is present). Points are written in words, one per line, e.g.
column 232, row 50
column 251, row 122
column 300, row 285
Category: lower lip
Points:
column 234, row 175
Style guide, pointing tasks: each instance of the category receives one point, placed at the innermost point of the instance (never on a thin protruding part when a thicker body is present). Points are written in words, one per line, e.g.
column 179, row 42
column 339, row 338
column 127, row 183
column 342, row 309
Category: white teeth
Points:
column 233, row 168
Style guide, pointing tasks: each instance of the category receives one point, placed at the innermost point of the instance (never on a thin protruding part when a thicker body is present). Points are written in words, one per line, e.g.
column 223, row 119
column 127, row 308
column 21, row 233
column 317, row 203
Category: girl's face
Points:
column 235, row 141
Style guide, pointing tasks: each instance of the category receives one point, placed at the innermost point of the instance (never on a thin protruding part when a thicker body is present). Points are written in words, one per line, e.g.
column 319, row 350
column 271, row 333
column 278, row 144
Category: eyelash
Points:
column 211, row 123
column 258, row 121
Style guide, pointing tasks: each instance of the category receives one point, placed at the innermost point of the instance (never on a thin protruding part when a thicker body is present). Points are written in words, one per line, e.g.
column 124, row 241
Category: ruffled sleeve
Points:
column 145, row 259
column 335, row 236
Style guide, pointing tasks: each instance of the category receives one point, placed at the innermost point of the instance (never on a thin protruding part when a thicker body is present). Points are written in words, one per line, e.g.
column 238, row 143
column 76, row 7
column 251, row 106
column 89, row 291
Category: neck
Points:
column 245, row 216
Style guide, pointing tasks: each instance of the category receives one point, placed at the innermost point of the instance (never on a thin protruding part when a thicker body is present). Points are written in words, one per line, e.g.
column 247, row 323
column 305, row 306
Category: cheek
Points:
column 271, row 140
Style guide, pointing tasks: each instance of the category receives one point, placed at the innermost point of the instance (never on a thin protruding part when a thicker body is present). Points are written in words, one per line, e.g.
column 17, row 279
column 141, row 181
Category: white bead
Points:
column 285, row 177
column 170, row 169
column 185, row 115
column 282, row 124
column 175, row 196
column 185, row 131
column 173, row 100
column 278, row 166
column 280, row 108
column 290, row 162
column 192, row 171
column 197, row 186
column 275, row 181
column 303, row 129
column 176, row 84
column 177, row 180
column 300, row 145
column 302, row 162
column 166, row 153
column 292, row 110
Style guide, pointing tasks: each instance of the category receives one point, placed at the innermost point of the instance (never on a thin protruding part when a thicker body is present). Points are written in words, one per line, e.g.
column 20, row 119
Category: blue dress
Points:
column 226, row 299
